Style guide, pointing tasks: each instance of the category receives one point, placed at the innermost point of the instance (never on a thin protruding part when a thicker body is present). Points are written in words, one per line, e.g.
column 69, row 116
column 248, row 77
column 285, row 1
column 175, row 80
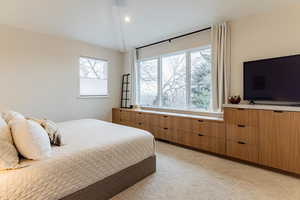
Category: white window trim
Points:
column 79, row 96
column 188, row 52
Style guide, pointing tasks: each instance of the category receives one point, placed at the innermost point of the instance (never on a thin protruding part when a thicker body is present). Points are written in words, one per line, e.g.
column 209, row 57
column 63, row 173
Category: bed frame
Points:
column 116, row 183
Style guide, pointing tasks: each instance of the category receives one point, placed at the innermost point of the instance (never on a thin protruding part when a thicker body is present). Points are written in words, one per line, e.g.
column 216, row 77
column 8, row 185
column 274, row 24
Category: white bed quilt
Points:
column 94, row 150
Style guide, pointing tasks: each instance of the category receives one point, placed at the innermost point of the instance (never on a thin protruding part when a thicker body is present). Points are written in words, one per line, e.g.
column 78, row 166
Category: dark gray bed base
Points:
column 116, row 183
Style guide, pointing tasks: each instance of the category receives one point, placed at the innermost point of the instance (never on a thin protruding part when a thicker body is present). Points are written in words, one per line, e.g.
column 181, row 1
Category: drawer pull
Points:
column 241, row 142
column 200, row 120
column 241, row 126
column 165, row 116
column 241, row 108
column 166, row 128
column 277, row 111
column 140, row 123
column 200, row 135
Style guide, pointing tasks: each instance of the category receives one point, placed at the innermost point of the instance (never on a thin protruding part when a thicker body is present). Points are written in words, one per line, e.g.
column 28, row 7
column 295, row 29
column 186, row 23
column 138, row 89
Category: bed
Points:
column 99, row 160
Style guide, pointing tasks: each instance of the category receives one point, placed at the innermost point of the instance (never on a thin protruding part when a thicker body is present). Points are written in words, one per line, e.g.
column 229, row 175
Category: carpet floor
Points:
column 184, row 174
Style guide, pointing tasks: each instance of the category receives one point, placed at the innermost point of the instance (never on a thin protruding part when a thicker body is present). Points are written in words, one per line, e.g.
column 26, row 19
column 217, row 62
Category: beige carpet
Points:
column 184, row 174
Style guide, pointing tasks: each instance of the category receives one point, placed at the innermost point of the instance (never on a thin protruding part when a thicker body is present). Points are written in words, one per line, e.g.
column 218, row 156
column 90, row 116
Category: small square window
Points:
column 93, row 77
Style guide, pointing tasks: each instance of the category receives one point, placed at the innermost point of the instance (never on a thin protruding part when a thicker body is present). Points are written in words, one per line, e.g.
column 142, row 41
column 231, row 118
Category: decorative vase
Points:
column 234, row 99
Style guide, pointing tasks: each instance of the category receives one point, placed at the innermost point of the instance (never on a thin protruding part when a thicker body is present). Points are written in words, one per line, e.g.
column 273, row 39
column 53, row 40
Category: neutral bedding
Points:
column 94, row 150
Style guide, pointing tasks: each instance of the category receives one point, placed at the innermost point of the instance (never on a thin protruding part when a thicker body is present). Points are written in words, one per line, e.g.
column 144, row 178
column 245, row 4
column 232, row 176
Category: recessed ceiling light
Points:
column 127, row 19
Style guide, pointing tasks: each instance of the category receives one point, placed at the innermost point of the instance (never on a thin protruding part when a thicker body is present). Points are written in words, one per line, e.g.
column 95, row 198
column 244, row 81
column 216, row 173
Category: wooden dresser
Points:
column 205, row 133
column 265, row 135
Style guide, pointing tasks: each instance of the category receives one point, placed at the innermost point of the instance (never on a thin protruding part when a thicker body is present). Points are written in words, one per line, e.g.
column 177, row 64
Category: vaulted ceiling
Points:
column 101, row 22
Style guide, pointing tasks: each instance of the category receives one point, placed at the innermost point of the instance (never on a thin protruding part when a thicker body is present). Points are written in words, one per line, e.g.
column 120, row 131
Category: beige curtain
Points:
column 220, row 64
column 133, row 73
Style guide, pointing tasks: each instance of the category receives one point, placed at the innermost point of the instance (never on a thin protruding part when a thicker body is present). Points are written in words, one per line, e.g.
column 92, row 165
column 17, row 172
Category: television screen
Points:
column 276, row 79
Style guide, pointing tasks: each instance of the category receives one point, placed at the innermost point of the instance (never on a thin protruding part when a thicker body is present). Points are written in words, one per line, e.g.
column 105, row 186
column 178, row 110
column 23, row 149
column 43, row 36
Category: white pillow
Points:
column 10, row 115
column 8, row 154
column 31, row 139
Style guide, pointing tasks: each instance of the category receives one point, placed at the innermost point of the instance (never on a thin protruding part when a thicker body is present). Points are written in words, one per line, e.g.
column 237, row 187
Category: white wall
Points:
column 272, row 34
column 189, row 42
column 39, row 76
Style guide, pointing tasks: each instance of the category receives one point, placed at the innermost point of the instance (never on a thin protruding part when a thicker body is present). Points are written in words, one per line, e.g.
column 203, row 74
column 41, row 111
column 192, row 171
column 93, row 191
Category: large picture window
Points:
column 180, row 80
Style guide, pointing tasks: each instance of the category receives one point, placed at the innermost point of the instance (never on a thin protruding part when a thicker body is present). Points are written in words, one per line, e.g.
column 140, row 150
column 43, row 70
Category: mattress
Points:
column 93, row 150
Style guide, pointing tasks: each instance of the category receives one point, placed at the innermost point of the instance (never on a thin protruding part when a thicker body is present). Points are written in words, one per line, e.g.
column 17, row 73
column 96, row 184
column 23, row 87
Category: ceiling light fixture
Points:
column 127, row 19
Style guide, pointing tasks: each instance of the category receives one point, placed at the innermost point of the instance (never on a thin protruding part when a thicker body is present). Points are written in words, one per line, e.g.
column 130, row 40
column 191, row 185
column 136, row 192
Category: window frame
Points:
column 79, row 96
column 188, row 66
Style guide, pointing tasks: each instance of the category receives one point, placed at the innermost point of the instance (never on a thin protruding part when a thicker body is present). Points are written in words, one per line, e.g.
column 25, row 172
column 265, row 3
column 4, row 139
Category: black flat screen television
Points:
column 275, row 79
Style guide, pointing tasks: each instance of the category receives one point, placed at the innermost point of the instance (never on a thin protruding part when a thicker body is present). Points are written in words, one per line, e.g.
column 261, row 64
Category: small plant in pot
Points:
column 234, row 99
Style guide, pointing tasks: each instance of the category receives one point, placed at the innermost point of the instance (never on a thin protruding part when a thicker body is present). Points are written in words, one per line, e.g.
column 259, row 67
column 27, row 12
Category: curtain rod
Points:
column 173, row 38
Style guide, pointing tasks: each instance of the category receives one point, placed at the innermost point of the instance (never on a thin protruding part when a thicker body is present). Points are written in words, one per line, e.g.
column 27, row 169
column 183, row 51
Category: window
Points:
column 174, row 81
column 201, row 79
column 180, row 80
column 93, row 77
column 148, row 79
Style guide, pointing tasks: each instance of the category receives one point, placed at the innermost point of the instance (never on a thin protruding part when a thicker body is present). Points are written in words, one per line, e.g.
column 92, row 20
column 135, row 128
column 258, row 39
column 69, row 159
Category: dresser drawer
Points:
column 153, row 120
column 141, row 117
column 183, row 137
column 212, row 144
column 164, row 133
column 217, row 129
column 241, row 116
column 243, row 133
column 142, row 125
column 154, row 130
column 165, row 121
column 212, row 129
column 181, row 123
column 124, row 116
column 242, row 151
column 200, row 126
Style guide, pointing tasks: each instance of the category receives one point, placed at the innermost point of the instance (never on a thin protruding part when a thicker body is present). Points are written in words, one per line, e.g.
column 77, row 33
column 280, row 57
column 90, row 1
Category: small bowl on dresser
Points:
column 234, row 99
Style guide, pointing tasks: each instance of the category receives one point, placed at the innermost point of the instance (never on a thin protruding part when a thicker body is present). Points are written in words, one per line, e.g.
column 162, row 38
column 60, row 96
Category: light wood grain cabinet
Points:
column 141, row 120
column 276, row 139
column 201, row 134
column 295, row 144
column 242, row 151
column 242, row 134
column 267, row 137
column 116, row 115
column 240, row 116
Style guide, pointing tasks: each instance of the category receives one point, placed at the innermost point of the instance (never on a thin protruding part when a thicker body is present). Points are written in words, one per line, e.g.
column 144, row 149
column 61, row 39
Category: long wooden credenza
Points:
column 265, row 135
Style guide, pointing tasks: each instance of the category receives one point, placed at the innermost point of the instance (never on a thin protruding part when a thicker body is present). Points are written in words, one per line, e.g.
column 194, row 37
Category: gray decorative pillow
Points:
column 51, row 129
column 53, row 132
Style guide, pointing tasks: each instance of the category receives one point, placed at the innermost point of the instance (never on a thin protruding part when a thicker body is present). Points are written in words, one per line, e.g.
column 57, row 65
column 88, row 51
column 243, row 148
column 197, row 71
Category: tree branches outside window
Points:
column 92, row 68
column 174, row 83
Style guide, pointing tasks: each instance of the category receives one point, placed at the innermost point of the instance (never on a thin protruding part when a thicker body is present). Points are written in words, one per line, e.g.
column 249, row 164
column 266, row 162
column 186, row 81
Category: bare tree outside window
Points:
column 174, row 81
column 93, row 69
column 171, row 80
column 93, row 77
column 148, row 78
